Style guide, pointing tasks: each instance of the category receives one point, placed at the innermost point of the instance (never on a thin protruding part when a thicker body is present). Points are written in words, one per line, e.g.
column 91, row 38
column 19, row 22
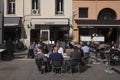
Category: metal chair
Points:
column 75, row 64
column 45, row 65
column 57, row 65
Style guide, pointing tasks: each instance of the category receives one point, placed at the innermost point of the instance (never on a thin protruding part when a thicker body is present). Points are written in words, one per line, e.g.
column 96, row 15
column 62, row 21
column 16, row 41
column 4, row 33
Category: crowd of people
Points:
column 81, row 51
column 39, row 50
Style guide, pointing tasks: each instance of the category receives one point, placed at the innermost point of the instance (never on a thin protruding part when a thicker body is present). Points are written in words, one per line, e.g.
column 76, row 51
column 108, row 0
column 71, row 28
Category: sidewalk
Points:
column 23, row 68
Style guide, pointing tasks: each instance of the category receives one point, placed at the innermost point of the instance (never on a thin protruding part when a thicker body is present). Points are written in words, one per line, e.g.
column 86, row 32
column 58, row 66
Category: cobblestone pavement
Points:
column 23, row 68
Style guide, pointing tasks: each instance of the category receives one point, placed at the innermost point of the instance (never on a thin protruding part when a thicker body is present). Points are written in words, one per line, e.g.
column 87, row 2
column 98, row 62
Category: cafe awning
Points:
column 98, row 23
column 11, row 21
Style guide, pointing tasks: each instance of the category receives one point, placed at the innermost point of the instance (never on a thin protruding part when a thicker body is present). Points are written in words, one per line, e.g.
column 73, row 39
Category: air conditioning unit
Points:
column 35, row 11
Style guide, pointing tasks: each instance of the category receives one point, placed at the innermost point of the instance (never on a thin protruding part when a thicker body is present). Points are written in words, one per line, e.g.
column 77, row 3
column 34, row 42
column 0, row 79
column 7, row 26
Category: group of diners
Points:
column 44, row 57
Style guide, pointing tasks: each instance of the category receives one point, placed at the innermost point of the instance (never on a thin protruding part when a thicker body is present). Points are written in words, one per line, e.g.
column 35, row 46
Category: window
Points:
column 59, row 7
column 11, row 7
column 84, row 32
column 35, row 6
column 83, row 12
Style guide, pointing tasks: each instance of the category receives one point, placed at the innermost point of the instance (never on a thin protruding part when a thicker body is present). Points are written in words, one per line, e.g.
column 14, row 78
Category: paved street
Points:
column 22, row 68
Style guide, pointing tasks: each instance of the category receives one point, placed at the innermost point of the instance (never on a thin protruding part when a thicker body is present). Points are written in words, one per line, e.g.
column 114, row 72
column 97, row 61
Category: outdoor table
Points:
column 1, row 51
column 47, row 55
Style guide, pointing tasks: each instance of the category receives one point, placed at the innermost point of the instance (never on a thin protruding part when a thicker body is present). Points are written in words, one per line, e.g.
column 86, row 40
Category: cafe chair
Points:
column 45, row 65
column 75, row 65
column 57, row 66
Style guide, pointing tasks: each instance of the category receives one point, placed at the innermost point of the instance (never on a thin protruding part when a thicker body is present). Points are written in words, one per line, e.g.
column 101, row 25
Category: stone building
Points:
column 33, row 20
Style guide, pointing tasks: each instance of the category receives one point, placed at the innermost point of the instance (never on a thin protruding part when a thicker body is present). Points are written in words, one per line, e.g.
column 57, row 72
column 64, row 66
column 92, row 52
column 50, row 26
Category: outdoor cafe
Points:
column 65, row 65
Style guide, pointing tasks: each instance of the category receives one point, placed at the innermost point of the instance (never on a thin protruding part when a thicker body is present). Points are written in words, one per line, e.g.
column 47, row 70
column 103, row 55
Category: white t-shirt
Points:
column 60, row 50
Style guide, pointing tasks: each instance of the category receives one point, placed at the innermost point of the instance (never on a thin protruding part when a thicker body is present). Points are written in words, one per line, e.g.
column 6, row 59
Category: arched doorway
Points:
column 110, row 33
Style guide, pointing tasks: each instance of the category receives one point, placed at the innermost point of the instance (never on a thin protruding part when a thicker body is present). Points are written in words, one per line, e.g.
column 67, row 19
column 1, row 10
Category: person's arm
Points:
column 62, row 51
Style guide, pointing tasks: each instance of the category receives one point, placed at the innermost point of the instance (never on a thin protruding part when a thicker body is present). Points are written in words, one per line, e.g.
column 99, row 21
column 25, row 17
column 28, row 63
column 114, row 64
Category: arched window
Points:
column 107, row 14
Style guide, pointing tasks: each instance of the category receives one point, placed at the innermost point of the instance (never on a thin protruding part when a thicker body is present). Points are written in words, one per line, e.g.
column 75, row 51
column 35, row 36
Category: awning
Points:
column 50, row 21
column 11, row 21
column 98, row 23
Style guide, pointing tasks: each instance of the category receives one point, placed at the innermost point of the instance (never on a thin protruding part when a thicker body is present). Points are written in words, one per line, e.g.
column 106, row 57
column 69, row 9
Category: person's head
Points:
column 55, row 49
column 45, row 46
column 57, row 45
column 39, row 49
column 75, row 48
column 33, row 42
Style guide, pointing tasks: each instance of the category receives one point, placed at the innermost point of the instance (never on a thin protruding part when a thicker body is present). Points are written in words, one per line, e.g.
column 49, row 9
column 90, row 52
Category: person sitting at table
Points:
column 60, row 49
column 76, row 54
column 55, row 56
column 45, row 49
column 40, row 58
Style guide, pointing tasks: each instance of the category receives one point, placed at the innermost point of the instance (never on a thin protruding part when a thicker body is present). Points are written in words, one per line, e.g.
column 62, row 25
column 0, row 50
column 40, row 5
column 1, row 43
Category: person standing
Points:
column 86, row 52
column 31, row 50
column 9, row 48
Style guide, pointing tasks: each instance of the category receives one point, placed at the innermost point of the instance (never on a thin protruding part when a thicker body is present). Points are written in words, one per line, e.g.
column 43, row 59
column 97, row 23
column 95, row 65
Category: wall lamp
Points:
column 29, row 25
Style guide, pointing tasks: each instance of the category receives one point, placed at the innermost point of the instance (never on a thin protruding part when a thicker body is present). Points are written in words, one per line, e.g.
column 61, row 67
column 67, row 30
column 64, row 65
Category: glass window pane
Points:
column 11, row 7
column 83, row 12
column 44, row 35
column 35, row 4
column 59, row 7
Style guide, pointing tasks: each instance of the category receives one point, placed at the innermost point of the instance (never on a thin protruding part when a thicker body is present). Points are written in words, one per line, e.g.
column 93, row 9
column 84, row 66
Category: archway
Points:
column 107, row 14
column 110, row 33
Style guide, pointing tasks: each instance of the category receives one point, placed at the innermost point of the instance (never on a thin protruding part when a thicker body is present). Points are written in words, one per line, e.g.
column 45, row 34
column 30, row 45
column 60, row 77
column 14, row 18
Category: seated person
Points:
column 55, row 55
column 76, row 55
column 40, row 58
column 60, row 49
column 56, row 59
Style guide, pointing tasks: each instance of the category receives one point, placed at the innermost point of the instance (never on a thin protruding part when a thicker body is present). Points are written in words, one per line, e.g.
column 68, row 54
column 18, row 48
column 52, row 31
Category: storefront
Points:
column 12, row 28
column 1, row 26
column 109, row 29
column 49, row 29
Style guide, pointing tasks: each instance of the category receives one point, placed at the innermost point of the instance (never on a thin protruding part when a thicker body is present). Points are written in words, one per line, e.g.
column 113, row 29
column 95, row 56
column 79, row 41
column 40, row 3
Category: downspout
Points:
column 22, row 28
column 23, row 9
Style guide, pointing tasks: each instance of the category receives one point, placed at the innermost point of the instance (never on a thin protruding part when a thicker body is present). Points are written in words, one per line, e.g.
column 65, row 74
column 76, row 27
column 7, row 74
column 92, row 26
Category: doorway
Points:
column 45, row 35
column 35, row 35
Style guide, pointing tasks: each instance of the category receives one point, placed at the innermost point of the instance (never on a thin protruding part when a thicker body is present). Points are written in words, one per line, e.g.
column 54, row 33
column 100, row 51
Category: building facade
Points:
column 96, row 18
column 33, row 20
